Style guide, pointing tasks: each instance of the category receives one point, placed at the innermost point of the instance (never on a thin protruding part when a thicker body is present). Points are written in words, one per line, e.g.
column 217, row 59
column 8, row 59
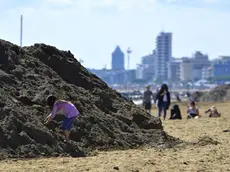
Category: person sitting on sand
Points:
column 213, row 113
column 175, row 113
column 65, row 107
column 193, row 111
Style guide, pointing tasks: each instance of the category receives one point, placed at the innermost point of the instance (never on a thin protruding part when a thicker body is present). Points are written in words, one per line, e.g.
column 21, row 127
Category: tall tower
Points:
column 163, row 55
column 21, row 30
column 118, row 59
column 129, row 51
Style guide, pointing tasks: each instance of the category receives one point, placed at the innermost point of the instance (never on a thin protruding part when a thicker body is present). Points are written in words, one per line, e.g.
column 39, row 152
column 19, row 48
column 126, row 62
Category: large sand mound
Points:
column 107, row 121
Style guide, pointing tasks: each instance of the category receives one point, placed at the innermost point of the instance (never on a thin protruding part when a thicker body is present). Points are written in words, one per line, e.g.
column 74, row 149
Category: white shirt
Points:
column 193, row 111
column 165, row 98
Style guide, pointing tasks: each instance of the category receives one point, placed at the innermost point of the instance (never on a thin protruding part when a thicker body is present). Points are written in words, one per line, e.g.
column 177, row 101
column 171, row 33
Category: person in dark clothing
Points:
column 175, row 113
column 163, row 100
column 147, row 99
column 178, row 98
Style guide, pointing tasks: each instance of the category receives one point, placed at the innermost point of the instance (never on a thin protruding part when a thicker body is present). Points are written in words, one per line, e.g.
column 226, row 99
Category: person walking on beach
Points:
column 147, row 99
column 67, row 109
column 163, row 100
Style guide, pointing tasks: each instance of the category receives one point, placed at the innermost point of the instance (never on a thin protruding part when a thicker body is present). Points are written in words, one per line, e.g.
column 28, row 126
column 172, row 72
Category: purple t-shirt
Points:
column 66, row 108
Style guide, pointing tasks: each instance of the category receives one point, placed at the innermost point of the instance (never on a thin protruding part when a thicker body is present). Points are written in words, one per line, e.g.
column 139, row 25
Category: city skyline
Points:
column 92, row 29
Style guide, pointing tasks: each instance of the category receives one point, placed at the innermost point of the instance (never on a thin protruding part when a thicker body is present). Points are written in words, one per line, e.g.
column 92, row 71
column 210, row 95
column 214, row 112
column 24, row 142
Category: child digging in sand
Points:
column 67, row 108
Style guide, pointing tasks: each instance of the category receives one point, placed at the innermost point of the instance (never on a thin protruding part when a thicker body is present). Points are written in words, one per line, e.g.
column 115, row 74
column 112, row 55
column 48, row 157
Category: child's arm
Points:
column 197, row 111
column 207, row 111
column 52, row 114
column 188, row 109
column 48, row 119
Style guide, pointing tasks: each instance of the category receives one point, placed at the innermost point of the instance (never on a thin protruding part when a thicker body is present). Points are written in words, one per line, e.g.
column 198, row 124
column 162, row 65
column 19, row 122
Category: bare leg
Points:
column 66, row 134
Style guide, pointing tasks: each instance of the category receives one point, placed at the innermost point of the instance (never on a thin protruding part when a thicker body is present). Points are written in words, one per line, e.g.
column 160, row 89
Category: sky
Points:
column 91, row 29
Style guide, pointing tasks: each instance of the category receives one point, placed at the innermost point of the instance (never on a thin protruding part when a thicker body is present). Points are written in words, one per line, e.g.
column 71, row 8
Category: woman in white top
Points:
column 163, row 100
column 193, row 111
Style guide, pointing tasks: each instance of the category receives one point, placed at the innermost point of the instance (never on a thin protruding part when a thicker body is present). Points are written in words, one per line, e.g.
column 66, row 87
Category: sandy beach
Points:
column 208, row 150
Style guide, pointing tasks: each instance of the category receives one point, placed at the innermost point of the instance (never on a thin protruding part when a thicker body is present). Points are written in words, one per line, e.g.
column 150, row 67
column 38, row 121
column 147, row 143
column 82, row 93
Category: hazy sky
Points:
column 91, row 29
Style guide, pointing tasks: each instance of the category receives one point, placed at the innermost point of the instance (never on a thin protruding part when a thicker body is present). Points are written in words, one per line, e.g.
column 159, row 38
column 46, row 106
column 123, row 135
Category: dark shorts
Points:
column 67, row 123
column 191, row 115
column 148, row 106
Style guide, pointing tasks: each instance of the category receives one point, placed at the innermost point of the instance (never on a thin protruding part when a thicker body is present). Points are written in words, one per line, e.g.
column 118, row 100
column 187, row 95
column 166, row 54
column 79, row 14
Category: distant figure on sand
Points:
column 163, row 100
column 67, row 109
column 213, row 113
column 147, row 99
column 193, row 111
column 178, row 98
column 175, row 113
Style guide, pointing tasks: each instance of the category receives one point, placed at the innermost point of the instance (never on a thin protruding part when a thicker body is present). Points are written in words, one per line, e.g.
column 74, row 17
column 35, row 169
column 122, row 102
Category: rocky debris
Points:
column 116, row 168
column 195, row 96
column 227, row 130
column 206, row 140
column 217, row 94
column 106, row 121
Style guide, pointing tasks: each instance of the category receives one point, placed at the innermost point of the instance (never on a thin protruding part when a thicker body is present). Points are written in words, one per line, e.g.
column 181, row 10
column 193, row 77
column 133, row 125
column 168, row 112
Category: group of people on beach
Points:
column 162, row 100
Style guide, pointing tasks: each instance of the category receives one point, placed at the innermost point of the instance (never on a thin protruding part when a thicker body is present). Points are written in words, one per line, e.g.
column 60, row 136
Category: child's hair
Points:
column 192, row 103
column 50, row 100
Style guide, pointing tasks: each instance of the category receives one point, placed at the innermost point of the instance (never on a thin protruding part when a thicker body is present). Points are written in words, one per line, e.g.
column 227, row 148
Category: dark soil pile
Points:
column 196, row 96
column 206, row 140
column 106, row 121
column 219, row 93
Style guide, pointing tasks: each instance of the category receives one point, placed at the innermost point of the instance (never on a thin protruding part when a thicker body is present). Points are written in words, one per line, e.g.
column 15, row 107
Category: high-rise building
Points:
column 163, row 55
column 118, row 59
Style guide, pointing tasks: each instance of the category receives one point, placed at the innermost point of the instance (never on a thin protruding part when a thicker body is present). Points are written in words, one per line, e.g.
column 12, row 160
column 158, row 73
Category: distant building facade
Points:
column 149, row 59
column 207, row 73
column 174, row 70
column 145, row 70
column 130, row 75
column 195, row 68
column 221, row 70
column 186, row 69
column 115, row 77
column 199, row 62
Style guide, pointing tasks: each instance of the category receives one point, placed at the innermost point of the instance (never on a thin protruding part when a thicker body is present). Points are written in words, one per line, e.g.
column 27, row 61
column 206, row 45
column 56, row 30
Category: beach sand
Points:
column 212, row 153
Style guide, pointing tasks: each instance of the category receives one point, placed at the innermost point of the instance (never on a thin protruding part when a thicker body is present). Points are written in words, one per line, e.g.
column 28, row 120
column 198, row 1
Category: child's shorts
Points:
column 67, row 123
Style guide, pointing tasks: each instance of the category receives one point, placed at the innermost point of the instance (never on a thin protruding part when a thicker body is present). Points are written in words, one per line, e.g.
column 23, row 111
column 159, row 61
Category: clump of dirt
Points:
column 107, row 120
column 217, row 94
column 196, row 96
column 206, row 140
